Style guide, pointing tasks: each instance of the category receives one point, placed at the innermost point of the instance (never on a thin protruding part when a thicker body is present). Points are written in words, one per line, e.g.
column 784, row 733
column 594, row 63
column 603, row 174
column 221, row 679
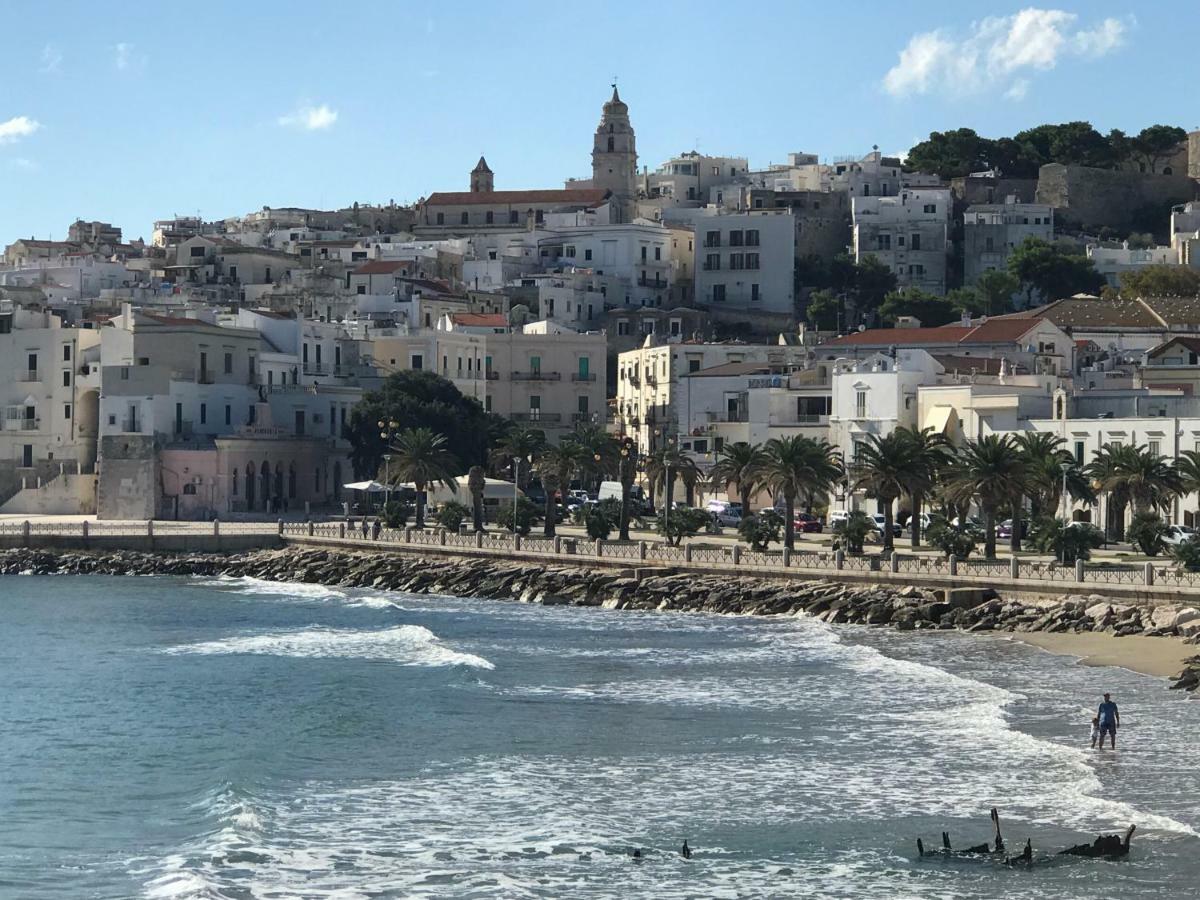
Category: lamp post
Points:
column 516, row 478
column 387, row 431
column 1066, row 467
column 387, row 478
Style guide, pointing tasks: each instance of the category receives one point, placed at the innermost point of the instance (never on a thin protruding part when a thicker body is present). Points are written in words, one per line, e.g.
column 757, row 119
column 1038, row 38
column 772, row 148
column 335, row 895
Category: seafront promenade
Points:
column 1153, row 581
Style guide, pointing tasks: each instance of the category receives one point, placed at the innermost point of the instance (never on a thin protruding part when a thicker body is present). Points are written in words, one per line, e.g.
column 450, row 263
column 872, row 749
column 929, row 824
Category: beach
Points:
column 1161, row 656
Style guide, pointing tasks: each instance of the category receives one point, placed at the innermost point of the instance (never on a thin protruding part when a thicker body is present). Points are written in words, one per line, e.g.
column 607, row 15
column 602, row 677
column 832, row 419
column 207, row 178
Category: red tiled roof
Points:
column 1000, row 330
column 993, row 331
column 569, row 196
column 480, row 320
column 382, row 267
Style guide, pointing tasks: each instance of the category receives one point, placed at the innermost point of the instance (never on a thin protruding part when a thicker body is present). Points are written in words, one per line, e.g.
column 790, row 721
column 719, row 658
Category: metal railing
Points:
column 537, row 375
column 583, row 376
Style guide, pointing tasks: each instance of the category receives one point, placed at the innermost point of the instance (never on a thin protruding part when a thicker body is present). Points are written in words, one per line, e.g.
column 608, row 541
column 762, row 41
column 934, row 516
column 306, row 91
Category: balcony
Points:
column 634, row 380
column 492, row 376
column 536, row 416
column 22, row 424
column 537, row 375
column 205, row 378
column 651, row 380
column 583, row 376
column 711, row 267
column 802, row 419
column 315, row 369
column 29, row 375
column 131, row 426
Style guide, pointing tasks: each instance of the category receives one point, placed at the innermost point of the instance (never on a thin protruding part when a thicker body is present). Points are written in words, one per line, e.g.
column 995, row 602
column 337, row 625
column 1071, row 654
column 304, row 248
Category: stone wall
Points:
column 128, row 486
column 1089, row 199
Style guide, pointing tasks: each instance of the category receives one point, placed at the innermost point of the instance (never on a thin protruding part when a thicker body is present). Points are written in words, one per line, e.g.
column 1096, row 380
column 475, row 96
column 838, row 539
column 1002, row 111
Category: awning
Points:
column 373, row 487
column 942, row 419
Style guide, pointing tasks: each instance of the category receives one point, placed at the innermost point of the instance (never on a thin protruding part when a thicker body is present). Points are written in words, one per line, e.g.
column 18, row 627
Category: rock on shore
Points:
column 907, row 608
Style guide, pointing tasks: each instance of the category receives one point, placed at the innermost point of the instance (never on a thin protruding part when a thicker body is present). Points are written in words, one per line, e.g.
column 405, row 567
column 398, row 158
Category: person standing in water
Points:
column 1110, row 720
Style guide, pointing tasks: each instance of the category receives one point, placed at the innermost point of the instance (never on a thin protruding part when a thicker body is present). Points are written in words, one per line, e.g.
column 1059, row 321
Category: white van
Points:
column 612, row 489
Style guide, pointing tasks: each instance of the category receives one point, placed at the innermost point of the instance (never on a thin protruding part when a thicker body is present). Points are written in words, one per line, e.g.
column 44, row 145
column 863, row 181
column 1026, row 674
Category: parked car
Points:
column 1005, row 529
column 837, row 518
column 881, row 522
column 727, row 512
column 1177, row 534
column 925, row 523
column 807, row 523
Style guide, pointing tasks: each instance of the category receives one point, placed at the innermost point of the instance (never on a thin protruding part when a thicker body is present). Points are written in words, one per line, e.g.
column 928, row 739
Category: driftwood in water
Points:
column 997, row 845
column 1106, row 846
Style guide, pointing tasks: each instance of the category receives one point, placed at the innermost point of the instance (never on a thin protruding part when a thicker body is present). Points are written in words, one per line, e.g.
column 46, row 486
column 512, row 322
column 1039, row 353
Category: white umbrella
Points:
column 373, row 487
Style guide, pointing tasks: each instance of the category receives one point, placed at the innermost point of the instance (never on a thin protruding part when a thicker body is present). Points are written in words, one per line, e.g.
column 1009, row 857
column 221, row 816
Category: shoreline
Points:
column 1161, row 657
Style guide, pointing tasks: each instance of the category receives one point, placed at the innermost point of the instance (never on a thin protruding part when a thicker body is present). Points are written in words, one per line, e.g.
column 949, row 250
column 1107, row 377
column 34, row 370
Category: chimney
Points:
column 908, row 322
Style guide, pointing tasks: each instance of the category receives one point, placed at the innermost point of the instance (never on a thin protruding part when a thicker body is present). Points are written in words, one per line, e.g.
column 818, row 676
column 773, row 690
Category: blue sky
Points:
column 222, row 107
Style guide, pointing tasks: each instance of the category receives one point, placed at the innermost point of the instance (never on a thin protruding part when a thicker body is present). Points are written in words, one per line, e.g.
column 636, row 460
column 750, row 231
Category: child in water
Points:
column 1095, row 730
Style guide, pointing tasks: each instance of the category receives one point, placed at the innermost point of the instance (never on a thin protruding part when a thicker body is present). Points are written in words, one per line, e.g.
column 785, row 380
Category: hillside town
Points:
column 225, row 369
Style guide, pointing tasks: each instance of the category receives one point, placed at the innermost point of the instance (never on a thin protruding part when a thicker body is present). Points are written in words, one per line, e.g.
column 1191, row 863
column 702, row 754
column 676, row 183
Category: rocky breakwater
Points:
column 908, row 608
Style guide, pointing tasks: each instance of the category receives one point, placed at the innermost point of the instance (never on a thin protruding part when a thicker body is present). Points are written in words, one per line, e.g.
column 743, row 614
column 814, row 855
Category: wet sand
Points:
column 1161, row 656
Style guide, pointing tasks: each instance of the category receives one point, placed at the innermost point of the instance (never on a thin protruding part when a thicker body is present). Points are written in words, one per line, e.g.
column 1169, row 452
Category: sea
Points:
column 232, row 738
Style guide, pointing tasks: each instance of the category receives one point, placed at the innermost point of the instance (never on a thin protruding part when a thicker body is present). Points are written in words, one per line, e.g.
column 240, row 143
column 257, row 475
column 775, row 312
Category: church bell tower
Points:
column 614, row 158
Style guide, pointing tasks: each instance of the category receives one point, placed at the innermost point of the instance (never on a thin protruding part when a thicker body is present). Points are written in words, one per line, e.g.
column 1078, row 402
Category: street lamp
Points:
column 387, row 478
column 1066, row 467
column 388, row 430
column 516, row 479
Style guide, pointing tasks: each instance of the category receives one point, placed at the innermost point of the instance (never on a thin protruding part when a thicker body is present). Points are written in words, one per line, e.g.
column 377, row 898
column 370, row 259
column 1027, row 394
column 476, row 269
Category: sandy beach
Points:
column 1161, row 656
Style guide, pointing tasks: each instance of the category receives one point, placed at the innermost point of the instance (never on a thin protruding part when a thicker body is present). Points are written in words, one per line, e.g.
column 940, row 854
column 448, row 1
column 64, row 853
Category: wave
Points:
column 406, row 645
column 295, row 591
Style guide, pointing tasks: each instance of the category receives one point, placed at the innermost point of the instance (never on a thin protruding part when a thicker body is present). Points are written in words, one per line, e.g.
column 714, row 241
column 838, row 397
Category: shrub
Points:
column 527, row 514
column 1146, row 532
column 682, row 523
column 958, row 541
column 1075, row 540
column 1187, row 554
column 760, row 530
column 396, row 513
column 451, row 515
column 597, row 519
column 853, row 531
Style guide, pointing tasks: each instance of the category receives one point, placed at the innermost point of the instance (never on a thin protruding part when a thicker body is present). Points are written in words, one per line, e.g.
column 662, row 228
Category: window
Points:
column 712, row 239
column 1079, row 452
column 512, row 217
column 417, row 361
column 250, row 415
column 582, row 406
column 860, row 406
column 883, row 242
column 124, row 373
column 737, row 261
column 535, row 365
column 718, row 294
column 622, row 327
column 569, row 250
column 917, row 270
column 752, row 237
column 228, row 414
column 441, row 218
column 66, row 378
column 900, row 240
column 915, row 243
column 196, row 252
column 657, row 253
column 66, row 410
column 751, row 260
column 66, row 352
column 362, row 288
column 693, row 365
column 535, row 406
column 931, row 208
column 754, row 297
column 487, row 403
column 203, row 413
column 735, row 238
column 1153, row 447
column 489, row 217
column 234, row 490
column 712, row 262
column 539, row 217
column 464, row 219
column 645, row 250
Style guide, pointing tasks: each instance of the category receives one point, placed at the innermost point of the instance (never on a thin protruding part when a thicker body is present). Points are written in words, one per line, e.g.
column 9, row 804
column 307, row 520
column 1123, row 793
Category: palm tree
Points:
column 421, row 457
column 519, row 442
column 556, row 466
column 599, row 452
column 880, row 467
column 626, row 472
column 796, row 466
column 476, row 482
column 739, row 464
column 930, row 452
column 1187, row 464
column 992, row 472
column 1133, row 475
column 1048, row 461
column 668, row 464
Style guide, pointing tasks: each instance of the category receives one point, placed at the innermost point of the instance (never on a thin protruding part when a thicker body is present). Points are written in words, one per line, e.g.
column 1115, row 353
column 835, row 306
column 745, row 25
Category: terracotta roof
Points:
column 1077, row 313
column 382, row 267
column 567, row 197
column 479, row 320
column 991, row 331
column 995, row 331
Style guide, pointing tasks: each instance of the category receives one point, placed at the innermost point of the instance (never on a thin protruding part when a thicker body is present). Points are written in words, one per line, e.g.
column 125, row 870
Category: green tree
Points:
column 1132, row 475
column 1070, row 143
column 526, row 515
column 669, row 464
column 966, row 300
column 950, row 154
column 738, row 465
column 417, row 399
column 476, row 484
column 853, row 531
column 953, row 540
column 450, row 515
column 761, row 529
column 1065, row 541
column 1187, row 467
column 931, row 309
column 992, row 472
column 1146, row 532
column 556, row 465
column 1046, row 460
column 599, row 456
column 795, row 467
column 1186, row 554
column 421, row 457
column 823, row 310
column 627, row 464
column 996, row 287
column 928, row 455
column 873, row 281
column 1156, row 144
column 880, row 468
column 681, row 523
column 1160, row 281
column 1052, row 270
column 521, row 443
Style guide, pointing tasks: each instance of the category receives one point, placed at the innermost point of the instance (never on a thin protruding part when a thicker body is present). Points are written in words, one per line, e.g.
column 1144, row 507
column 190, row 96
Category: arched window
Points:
column 610, row 145
column 1167, row 170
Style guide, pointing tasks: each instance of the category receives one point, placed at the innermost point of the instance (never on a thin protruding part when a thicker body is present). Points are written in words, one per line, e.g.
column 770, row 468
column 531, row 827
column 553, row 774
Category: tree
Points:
column 996, row 287
column 1132, row 475
column 1052, row 270
column 950, row 154
column 873, row 281
column 1155, row 145
column 521, row 443
column 823, row 311
column 966, row 300
column 853, row 531
column 929, row 454
column 676, row 524
column 599, row 456
column 1068, row 542
column 879, row 468
column 760, row 530
column 1186, row 554
column 795, row 467
column 1071, row 143
column 421, row 457
column 556, row 466
column 476, row 483
column 953, row 540
column 930, row 309
column 450, row 516
column 1146, row 532
column 1187, row 467
column 1046, row 460
column 526, row 515
column 418, row 399
column 739, row 465
column 1160, row 281
column 667, row 465
column 992, row 472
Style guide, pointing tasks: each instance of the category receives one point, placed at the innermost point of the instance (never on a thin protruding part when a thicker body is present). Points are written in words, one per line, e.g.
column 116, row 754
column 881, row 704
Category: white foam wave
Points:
column 406, row 645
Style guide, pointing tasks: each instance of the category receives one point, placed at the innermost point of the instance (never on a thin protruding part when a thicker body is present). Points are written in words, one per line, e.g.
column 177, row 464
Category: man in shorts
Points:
column 1110, row 719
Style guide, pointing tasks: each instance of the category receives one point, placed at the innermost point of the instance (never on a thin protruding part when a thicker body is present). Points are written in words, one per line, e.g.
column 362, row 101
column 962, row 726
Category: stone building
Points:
column 908, row 233
column 992, row 231
column 614, row 158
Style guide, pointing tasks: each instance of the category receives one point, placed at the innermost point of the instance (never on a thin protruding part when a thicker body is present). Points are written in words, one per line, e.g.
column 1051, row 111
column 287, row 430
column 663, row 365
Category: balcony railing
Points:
column 537, row 375
column 29, row 375
column 712, row 267
column 583, row 376
column 492, row 376
column 315, row 369
column 634, row 380
column 205, row 378
column 533, row 416
column 651, row 380
column 131, row 426
column 22, row 424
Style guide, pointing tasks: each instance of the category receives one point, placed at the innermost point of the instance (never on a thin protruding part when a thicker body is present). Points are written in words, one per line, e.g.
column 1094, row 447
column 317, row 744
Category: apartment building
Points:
column 1113, row 262
column 908, row 233
column 744, row 262
column 992, row 231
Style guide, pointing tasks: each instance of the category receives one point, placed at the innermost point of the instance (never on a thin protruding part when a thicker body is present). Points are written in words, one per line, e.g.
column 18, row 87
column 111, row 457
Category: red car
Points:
column 807, row 523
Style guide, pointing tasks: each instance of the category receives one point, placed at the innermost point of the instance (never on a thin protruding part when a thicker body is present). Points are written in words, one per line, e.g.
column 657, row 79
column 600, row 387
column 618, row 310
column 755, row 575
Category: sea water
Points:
column 231, row 738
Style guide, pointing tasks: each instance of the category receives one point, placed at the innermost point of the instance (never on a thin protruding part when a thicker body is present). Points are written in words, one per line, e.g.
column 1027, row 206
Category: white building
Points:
column 992, row 231
column 908, row 233
column 1112, row 262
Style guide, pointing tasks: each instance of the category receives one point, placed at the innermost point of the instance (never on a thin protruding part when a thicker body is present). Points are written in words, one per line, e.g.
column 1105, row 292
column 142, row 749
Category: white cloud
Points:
column 310, row 118
column 21, row 162
column 51, row 59
column 996, row 51
column 16, row 128
column 123, row 56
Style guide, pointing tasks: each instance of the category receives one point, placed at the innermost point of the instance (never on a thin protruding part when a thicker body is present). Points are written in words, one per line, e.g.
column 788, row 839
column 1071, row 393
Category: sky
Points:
column 224, row 107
